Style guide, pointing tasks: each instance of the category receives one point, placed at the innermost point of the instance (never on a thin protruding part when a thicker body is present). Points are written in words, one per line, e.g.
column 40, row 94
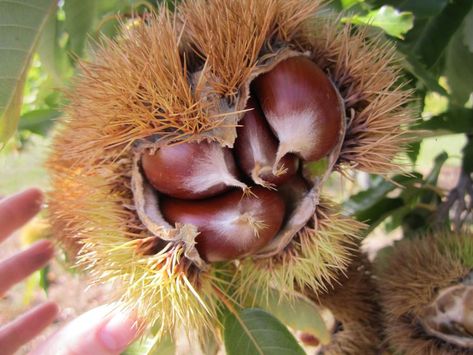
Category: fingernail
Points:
column 118, row 332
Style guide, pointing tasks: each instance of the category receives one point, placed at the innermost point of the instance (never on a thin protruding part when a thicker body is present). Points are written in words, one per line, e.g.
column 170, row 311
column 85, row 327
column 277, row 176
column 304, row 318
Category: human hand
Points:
column 15, row 211
column 98, row 331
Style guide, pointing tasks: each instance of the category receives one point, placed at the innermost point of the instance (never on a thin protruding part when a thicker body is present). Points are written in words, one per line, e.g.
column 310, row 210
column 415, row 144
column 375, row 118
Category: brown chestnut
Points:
column 256, row 148
column 302, row 107
column 230, row 225
column 191, row 170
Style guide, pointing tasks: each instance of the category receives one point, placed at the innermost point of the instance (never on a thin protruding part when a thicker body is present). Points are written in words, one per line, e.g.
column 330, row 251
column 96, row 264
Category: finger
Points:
column 19, row 266
column 26, row 327
column 97, row 332
column 18, row 209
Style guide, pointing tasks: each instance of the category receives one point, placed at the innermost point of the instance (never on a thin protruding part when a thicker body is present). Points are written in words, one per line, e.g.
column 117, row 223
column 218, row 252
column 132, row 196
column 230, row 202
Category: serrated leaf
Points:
column 255, row 331
column 21, row 24
column 298, row 313
column 391, row 20
column 80, row 16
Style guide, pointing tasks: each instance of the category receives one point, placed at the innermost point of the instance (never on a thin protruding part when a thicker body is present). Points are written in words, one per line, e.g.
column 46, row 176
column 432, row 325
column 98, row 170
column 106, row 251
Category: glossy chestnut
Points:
column 191, row 170
column 256, row 148
column 231, row 225
column 302, row 107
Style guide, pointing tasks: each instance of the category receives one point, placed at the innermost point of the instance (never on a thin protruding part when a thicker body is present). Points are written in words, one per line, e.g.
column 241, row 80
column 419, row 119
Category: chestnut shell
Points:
column 256, row 148
column 171, row 170
column 230, row 225
column 302, row 107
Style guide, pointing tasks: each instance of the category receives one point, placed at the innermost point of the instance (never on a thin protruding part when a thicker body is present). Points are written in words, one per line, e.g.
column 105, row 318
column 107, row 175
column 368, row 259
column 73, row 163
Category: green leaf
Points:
column 468, row 31
column 80, row 16
column 38, row 121
column 376, row 214
column 418, row 69
column 21, row 24
column 299, row 313
column 256, row 332
column 455, row 120
column 346, row 4
column 392, row 21
column 459, row 69
column 436, row 35
column 360, row 204
column 413, row 151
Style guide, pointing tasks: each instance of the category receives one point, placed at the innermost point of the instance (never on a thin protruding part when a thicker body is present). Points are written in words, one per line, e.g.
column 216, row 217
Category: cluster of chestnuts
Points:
column 238, row 198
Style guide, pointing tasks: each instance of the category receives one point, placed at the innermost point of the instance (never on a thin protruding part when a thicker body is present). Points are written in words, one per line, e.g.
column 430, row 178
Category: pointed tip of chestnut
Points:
column 231, row 225
column 302, row 107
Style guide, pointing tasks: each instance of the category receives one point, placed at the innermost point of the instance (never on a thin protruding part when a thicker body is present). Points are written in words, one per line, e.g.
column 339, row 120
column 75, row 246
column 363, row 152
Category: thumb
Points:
column 101, row 331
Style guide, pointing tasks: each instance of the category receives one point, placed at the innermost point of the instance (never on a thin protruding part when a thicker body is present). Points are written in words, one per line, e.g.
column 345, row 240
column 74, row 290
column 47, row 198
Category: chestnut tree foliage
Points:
column 41, row 42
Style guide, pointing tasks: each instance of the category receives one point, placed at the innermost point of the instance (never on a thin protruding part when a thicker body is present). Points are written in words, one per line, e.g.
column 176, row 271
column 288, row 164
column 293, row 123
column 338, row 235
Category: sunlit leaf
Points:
column 391, row 20
column 256, row 332
column 21, row 24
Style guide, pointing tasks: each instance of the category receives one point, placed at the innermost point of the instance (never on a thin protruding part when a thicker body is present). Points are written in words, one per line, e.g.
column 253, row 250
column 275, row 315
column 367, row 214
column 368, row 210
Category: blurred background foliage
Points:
column 43, row 41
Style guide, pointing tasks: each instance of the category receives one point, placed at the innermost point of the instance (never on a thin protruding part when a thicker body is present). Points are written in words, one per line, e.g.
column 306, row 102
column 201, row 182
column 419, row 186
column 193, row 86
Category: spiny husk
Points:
column 314, row 259
column 254, row 28
column 374, row 100
column 415, row 272
column 354, row 304
column 171, row 79
column 136, row 88
column 92, row 214
column 366, row 72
